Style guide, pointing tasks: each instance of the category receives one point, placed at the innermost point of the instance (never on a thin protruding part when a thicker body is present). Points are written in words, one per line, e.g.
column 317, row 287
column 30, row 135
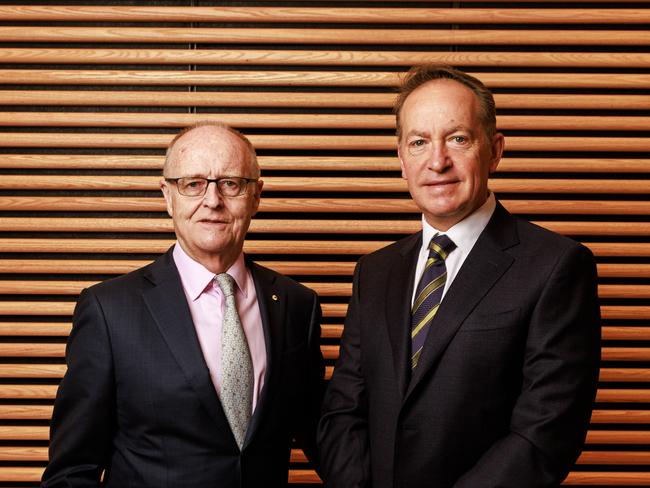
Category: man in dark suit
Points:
column 471, row 362
column 197, row 370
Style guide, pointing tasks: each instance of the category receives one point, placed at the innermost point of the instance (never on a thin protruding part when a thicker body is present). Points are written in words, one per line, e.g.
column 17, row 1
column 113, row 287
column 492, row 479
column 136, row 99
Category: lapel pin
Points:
column 274, row 297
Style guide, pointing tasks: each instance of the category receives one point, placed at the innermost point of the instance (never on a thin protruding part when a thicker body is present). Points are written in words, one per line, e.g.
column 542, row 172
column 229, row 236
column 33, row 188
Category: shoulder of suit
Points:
column 530, row 233
column 547, row 245
column 280, row 279
column 123, row 284
column 401, row 246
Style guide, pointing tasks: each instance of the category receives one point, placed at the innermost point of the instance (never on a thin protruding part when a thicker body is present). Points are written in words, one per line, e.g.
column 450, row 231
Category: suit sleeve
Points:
column 560, row 375
column 315, row 386
column 82, row 422
column 343, row 429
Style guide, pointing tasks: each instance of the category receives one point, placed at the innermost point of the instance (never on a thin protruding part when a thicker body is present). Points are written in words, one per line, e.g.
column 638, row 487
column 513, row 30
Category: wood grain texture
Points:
column 91, row 95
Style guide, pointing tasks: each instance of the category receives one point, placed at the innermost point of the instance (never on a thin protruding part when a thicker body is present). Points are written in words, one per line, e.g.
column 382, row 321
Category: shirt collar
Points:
column 466, row 232
column 196, row 278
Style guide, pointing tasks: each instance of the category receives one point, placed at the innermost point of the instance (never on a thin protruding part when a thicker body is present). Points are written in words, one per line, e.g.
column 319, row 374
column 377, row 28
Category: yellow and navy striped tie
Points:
column 429, row 293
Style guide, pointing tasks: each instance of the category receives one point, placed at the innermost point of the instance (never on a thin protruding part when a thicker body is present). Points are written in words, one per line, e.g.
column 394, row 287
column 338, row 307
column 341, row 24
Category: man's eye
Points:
column 459, row 139
column 417, row 142
column 193, row 184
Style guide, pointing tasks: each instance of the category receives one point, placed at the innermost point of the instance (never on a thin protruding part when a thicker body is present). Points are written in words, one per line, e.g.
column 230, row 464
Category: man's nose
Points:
column 438, row 158
column 212, row 197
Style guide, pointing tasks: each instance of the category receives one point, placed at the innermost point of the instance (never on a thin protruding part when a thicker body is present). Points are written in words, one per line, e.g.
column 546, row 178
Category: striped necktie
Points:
column 429, row 293
column 236, row 365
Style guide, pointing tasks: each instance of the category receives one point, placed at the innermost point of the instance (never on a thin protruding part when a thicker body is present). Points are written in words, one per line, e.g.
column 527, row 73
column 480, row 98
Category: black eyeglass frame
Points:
column 216, row 182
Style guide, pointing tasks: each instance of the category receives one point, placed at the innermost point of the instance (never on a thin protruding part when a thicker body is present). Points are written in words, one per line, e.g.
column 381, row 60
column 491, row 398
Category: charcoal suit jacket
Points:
column 503, row 391
column 138, row 402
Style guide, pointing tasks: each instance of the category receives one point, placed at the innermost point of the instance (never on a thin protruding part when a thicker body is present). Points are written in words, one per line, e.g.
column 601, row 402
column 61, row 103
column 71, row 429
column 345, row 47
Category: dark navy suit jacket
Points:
column 504, row 387
column 137, row 400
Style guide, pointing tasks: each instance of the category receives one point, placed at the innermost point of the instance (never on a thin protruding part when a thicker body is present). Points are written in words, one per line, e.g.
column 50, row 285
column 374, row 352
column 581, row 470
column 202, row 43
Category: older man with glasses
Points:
column 199, row 369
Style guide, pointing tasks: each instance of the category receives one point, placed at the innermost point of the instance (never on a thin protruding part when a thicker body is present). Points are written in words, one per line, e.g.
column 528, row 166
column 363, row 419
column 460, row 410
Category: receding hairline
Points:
column 421, row 75
column 217, row 127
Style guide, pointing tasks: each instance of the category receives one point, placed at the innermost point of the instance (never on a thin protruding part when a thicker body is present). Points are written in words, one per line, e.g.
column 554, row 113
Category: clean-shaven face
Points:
column 211, row 226
column 445, row 154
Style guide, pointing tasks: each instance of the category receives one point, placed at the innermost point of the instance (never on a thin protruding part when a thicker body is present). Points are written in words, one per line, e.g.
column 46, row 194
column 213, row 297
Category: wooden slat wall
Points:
column 90, row 95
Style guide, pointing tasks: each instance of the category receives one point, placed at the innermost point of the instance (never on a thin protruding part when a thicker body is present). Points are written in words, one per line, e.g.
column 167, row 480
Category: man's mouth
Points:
column 440, row 182
column 213, row 221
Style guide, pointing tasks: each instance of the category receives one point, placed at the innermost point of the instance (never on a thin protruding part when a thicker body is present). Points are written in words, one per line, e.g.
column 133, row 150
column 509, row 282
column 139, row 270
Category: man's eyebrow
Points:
column 417, row 133
column 463, row 128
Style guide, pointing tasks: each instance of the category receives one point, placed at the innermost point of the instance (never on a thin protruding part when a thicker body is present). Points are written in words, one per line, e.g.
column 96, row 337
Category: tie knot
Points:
column 440, row 246
column 226, row 283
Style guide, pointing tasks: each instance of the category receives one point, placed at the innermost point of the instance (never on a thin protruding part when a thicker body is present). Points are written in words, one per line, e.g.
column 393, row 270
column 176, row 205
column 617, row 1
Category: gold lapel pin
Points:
column 274, row 297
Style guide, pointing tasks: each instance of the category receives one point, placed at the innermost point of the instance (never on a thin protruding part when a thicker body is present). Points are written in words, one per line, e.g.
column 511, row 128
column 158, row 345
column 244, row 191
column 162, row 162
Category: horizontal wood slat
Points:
column 242, row 57
column 327, row 268
column 56, row 371
column 63, row 98
column 306, row 121
column 620, row 416
column 44, row 412
column 593, row 436
column 324, row 184
column 36, row 224
column 304, row 78
column 50, row 329
column 63, row 287
column 62, row 329
column 609, row 332
column 103, row 140
column 321, row 14
column 47, row 392
column 229, row 35
column 252, row 246
column 320, row 205
column 56, row 308
column 604, row 478
column 318, row 163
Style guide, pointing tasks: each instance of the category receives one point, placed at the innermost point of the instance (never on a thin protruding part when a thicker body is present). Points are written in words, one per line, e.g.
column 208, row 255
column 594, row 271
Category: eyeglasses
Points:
column 228, row 186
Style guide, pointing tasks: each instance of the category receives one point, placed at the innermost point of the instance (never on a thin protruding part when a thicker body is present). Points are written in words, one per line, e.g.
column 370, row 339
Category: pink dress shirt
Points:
column 206, row 306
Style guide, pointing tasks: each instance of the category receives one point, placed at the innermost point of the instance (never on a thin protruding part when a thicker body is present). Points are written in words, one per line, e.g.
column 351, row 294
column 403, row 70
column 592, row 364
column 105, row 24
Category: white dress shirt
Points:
column 464, row 234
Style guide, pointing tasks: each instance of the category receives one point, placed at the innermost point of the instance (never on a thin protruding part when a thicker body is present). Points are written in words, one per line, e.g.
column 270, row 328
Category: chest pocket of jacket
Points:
column 478, row 322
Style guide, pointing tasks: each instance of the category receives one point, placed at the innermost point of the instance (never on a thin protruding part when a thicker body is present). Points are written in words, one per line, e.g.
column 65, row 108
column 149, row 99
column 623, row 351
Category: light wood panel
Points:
column 360, row 100
column 241, row 57
column 229, row 35
column 91, row 94
column 305, row 121
column 326, row 184
column 321, row 14
column 104, row 140
column 304, row 78
column 320, row 205
column 322, row 163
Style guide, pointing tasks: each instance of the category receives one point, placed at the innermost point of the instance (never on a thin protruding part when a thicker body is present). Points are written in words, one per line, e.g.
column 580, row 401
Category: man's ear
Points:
column 498, row 144
column 164, row 187
column 401, row 161
column 257, row 195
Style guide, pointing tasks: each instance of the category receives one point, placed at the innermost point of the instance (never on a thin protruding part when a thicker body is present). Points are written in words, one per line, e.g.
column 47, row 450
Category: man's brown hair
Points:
column 419, row 75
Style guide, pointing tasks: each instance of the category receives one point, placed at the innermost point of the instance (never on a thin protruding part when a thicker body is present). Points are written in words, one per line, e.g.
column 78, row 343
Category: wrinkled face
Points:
column 445, row 153
column 211, row 226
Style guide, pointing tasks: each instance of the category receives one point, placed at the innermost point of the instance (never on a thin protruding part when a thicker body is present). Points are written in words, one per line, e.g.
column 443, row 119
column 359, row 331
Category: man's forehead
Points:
column 215, row 141
column 450, row 128
column 207, row 135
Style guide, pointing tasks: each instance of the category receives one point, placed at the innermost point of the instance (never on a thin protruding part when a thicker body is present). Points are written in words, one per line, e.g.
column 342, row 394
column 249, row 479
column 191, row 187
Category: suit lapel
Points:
column 484, row 266
column 272, row 301
column 167, row 305
column 398, row 309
